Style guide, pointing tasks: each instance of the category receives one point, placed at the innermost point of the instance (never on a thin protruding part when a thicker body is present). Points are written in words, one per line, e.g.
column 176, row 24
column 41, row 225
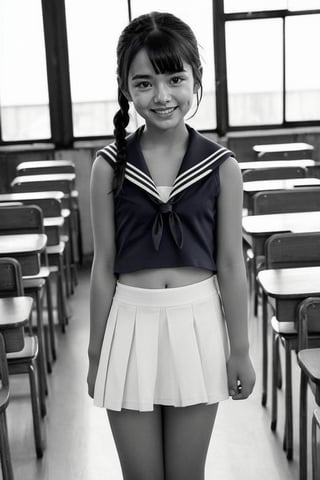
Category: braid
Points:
column 120, row 121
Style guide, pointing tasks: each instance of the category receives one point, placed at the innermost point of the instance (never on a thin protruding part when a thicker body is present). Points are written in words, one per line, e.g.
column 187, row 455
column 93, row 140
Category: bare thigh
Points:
column 138, row 439
column 187, row 432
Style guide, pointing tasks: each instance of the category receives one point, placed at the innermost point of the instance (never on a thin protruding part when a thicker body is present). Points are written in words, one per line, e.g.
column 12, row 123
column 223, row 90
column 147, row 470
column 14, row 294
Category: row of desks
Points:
column 288, row 287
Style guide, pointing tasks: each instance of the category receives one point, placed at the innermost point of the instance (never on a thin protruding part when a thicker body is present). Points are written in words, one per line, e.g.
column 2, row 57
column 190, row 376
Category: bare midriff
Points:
column 165, row 277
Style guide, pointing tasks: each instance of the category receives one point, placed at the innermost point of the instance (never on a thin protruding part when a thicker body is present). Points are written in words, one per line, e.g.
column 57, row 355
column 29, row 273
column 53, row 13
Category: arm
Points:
column 103, row 280
column 232, row 278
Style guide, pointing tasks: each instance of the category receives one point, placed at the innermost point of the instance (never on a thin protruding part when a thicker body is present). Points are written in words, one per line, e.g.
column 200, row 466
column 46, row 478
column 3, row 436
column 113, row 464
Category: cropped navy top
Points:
column 151, row 233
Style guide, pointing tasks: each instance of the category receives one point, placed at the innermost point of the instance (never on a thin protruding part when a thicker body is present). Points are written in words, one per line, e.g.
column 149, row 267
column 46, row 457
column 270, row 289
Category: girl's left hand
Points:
column 241, row 376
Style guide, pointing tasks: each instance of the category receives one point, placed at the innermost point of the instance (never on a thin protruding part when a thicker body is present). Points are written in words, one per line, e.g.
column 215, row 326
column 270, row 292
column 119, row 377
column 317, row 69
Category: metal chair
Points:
column 309, row 362
column 25, row 360
column 6, row 463
column 288, row 250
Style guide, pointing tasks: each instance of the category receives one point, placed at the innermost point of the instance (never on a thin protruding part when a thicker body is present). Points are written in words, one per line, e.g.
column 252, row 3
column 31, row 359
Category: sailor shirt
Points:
column 179, row 232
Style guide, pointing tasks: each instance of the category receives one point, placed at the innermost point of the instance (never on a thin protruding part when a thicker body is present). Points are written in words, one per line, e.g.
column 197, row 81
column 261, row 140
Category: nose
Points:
column 162, row 93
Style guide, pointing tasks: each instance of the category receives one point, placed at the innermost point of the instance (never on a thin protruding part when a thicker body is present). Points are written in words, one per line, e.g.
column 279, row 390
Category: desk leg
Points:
column 303, row 467
column 264, row 348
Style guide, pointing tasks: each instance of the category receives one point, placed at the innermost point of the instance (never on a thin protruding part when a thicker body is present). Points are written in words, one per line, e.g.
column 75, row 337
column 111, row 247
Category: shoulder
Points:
column 102, row 173
column 108, row 154
column 230, row 178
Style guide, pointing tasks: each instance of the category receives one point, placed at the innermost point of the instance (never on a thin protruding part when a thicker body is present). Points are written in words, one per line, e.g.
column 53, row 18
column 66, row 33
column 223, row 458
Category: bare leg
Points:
column 138, row 439
column 187, row 432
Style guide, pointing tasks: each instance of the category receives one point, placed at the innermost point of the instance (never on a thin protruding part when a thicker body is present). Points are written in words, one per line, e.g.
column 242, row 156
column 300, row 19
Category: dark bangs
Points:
column 166, row 53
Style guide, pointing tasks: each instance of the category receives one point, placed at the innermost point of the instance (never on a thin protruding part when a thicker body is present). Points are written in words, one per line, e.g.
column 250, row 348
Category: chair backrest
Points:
column 308, row 320
column 275, row 173
column 51, row 207
column 292, row 250
column 21, row 219
column 299, row 199
column 43, row 183
column 10, row 278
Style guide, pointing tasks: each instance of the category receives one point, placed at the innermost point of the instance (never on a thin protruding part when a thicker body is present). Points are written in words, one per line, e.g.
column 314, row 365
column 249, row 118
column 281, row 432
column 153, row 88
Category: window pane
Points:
column 254, row 71
column 303, row 68
column 23, row 79
column 231, row 6
column 200, row 20
column 93, row 31
column 305, row 5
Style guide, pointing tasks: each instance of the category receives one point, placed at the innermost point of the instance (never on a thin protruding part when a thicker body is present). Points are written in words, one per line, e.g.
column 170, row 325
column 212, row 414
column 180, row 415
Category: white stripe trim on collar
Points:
column 110, row 152
column 181, row 184
column 135, row 170
column 142, row 180
column 144, row 187
column 201, row 165
column 191, row 182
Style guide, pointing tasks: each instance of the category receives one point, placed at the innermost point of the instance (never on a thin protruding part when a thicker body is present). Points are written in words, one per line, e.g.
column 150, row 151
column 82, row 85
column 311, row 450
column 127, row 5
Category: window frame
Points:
column 222, row 18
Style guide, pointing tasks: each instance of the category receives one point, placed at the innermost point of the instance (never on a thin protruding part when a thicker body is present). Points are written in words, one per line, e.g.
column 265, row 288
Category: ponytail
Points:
column 120, row 122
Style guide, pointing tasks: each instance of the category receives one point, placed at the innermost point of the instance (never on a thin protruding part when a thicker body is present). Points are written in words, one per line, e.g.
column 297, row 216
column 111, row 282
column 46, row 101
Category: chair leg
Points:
column 50, row 318
column 288, row 437
column 68, row 274
column 43, row 386
column 275, row 375
column 62, row 296
column 6, row 464
column 39, row 444
column 264, row 349
column 315, row 426
column 303, row 452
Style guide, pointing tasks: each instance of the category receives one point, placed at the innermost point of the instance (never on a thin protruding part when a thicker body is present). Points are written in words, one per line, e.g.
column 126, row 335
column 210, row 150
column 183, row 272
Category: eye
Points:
column 143, row 85
column 176, row 80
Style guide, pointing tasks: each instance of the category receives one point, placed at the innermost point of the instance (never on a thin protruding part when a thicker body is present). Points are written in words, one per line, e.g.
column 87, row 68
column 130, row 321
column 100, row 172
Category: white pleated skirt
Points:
column 163, row 347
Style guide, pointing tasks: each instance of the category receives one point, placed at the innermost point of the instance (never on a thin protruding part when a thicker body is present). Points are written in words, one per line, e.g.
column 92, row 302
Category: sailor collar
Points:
column 201, row 158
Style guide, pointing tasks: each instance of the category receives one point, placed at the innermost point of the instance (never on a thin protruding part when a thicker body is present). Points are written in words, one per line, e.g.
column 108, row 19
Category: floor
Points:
column 79, row 441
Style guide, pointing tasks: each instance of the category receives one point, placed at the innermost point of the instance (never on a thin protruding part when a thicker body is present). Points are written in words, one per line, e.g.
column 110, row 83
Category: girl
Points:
column 168, row 334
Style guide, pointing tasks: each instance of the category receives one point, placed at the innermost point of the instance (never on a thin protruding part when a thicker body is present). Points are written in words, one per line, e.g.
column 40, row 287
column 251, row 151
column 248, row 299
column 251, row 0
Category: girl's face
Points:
column 162, row 99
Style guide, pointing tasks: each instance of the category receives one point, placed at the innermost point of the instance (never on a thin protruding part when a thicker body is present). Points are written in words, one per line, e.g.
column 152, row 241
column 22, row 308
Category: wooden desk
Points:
column 52, row 177
column 250, row 188
column 29, row 197
column 14, row 315
column 282, row 184
column 257, row 228
column 26, row 249
column 45, row 166
column 256, row 165
column 293, row 150
column 288, row 287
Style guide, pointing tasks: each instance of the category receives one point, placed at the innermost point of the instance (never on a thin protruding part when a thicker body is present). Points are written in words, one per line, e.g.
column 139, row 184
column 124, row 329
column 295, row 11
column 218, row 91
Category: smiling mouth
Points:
column 164, row 111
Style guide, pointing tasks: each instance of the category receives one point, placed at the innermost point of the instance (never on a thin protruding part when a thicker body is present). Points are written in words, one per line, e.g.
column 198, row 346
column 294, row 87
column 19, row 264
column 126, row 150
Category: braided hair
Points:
column 168, row 42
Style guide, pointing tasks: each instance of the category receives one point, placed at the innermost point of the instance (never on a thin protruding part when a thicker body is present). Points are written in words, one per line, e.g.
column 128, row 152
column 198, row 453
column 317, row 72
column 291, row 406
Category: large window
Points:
column 302, row 68
column 254, row 72
column 58, row 65
column 93, row 30
column 23, row 77
column 272, row 75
